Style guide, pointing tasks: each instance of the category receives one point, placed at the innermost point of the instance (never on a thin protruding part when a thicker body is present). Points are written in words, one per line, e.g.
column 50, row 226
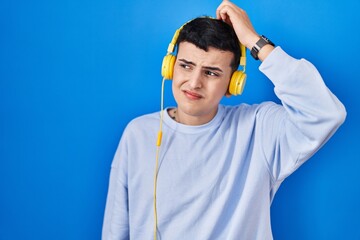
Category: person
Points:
column 219, row 166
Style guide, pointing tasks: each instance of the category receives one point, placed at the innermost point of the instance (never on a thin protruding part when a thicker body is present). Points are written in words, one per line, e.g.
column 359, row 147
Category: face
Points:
column 200, row 80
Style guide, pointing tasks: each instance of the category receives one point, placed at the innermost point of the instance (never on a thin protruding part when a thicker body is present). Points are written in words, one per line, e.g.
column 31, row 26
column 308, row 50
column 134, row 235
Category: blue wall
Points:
column 73, row 73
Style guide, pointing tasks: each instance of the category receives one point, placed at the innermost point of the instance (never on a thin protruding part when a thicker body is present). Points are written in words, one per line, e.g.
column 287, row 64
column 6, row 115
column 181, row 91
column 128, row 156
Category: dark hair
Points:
column 205, row 32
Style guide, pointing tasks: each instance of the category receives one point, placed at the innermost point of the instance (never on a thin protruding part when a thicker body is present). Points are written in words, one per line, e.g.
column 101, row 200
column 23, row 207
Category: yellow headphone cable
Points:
column 158, row 144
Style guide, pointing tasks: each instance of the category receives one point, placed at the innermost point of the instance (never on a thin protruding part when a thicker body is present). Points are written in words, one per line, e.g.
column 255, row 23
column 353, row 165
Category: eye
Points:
column 210, row 73
column 185, row 66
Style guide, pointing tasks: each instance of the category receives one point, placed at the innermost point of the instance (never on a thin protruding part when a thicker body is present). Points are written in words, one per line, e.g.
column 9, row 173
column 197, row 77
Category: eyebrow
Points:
column 206, row 67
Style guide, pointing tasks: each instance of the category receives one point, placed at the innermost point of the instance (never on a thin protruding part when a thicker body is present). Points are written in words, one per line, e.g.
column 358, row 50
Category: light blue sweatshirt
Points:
column 217, row 181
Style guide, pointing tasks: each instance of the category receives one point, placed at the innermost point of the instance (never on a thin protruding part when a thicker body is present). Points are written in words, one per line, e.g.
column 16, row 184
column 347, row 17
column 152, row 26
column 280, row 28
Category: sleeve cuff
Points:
column 277, row 64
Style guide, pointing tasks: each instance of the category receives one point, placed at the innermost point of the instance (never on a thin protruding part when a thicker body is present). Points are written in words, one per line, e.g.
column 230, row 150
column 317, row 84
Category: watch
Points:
column 258, row 45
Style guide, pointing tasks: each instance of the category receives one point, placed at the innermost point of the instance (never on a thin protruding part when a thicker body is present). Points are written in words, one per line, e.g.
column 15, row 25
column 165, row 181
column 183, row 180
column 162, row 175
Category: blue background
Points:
column 74, row 73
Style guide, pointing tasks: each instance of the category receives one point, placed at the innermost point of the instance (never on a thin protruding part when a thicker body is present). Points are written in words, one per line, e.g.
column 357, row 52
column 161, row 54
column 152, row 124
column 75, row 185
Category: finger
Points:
column 222, row 4
column 223, row 16
column 225, row 13
column 218, row 13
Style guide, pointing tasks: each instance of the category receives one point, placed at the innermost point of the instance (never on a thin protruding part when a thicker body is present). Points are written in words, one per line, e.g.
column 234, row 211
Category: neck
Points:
column 190, row 120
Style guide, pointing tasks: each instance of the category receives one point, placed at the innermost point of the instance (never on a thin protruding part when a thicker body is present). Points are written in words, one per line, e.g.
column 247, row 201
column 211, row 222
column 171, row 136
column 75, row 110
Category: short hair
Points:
column 205, row 32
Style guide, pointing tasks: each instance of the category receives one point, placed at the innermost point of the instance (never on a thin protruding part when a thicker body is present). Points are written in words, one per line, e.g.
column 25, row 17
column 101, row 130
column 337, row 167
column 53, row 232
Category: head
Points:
column 208, row 54
column 205, row 32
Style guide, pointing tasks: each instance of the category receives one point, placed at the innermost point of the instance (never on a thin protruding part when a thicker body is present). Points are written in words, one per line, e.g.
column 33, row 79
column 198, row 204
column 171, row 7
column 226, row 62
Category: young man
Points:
column 219, row 166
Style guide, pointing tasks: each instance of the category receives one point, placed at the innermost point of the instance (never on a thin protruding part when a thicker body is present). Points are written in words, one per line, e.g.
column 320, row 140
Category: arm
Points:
column 309, row 114
column 116, row 218
column 239, row 20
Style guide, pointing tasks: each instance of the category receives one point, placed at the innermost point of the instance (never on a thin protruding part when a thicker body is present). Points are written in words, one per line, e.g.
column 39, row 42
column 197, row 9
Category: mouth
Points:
column 192, row 95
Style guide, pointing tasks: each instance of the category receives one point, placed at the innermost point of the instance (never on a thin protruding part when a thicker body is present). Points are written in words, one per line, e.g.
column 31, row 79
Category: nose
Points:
column 195, row 80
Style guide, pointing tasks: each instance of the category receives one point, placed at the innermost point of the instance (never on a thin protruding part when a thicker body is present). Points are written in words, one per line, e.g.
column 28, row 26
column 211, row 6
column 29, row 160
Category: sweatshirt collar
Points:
column 179, row 127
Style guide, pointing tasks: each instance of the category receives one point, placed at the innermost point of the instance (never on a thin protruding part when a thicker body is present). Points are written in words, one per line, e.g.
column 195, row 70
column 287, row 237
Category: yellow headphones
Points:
column 238, row 78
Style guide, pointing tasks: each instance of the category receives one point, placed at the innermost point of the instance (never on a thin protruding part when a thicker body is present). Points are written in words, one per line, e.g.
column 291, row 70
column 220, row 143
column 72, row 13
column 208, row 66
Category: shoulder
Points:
column 249, row 114
column 144, row 120
column 251, row 109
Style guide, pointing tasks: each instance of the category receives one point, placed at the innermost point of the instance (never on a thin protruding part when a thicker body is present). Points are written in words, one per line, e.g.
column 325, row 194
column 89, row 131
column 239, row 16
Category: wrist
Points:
column 265, row 51
column 262, row 48
column 251, row 41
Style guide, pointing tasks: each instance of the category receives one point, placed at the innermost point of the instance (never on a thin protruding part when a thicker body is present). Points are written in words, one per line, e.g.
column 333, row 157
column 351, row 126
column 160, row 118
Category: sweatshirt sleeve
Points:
column 308, row 117
column 116, row 217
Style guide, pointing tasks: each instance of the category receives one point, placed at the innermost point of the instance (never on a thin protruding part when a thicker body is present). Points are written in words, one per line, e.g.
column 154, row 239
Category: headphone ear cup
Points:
column 167, row 68
column 237, row 83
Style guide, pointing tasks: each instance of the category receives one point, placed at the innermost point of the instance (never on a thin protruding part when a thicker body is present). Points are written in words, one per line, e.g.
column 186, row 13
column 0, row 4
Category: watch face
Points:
column 267, row 40
column 262, row 42
column 258, row 45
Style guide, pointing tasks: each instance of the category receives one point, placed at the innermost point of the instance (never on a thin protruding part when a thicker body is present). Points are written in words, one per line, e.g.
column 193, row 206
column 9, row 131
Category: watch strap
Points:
column 258, row 45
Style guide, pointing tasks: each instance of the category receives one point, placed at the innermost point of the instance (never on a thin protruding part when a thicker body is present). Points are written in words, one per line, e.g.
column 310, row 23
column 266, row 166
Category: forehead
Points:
column 211, row 57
